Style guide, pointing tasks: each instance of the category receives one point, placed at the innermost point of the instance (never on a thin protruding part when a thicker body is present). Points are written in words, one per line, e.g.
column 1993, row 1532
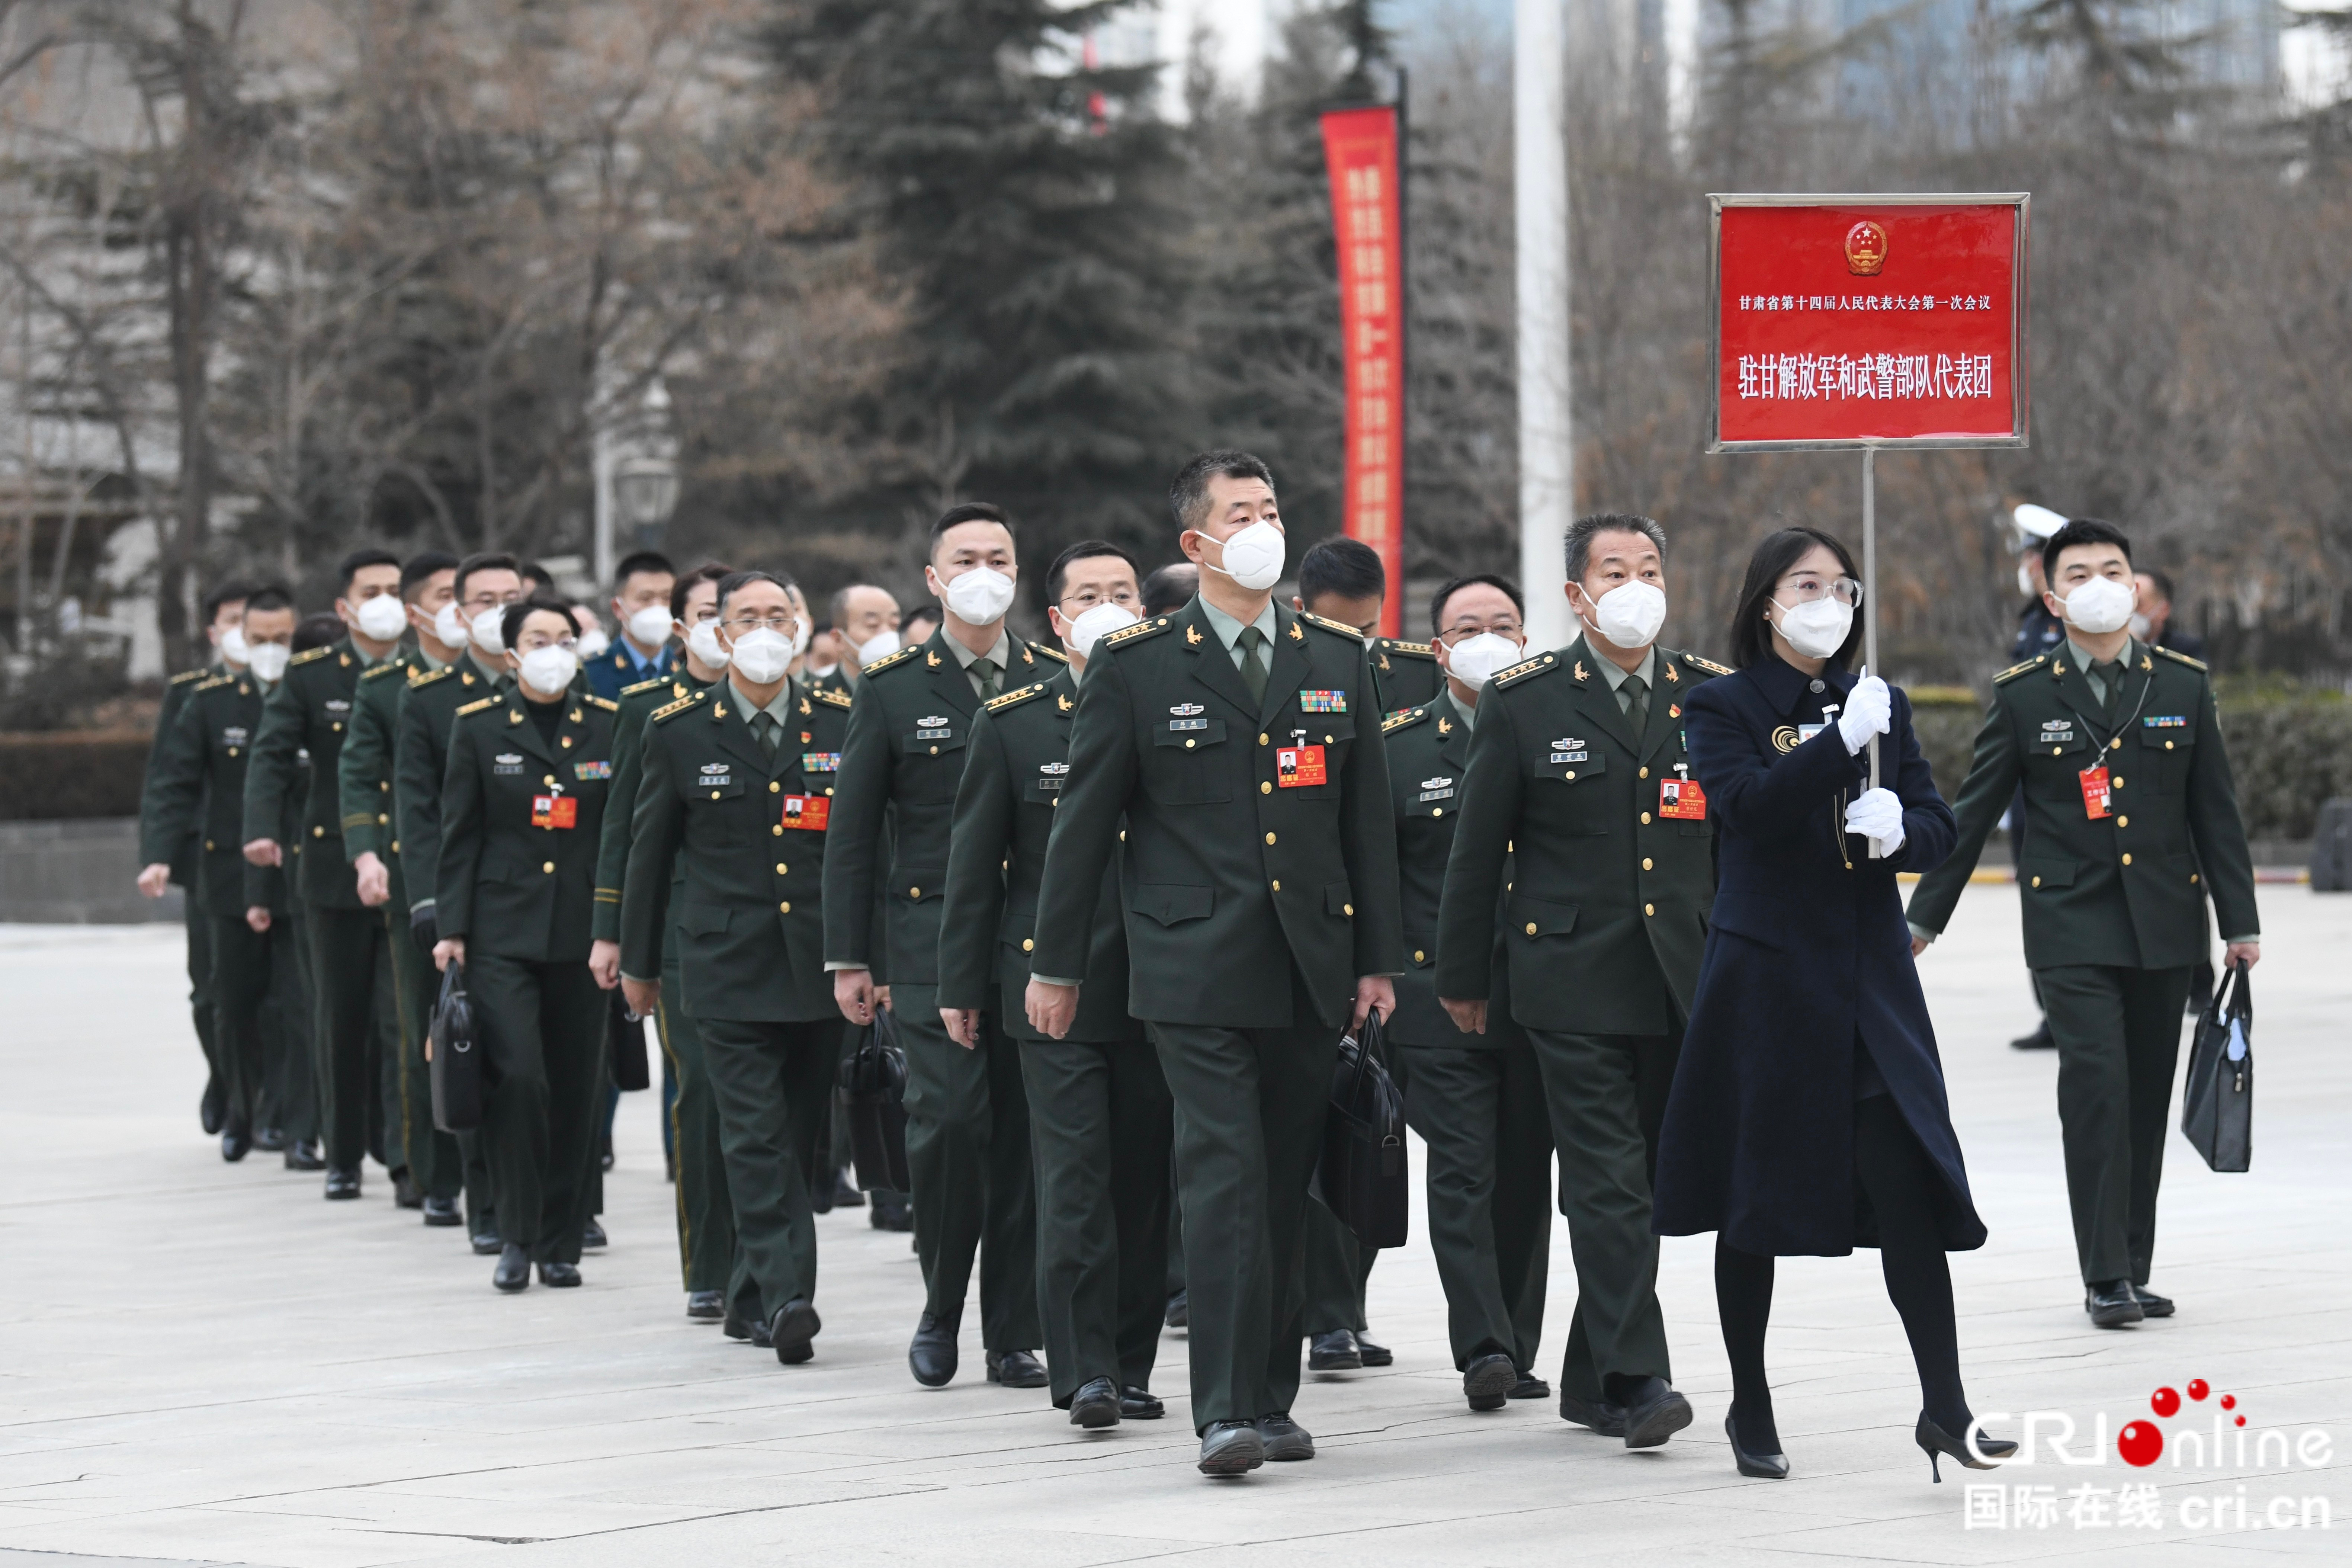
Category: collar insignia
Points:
column 1063, row 701
column 1297, row 632
column 1192, row 635
column 1670, row 673
column 932, row 659
column 1580, row 669
column 1445, row 726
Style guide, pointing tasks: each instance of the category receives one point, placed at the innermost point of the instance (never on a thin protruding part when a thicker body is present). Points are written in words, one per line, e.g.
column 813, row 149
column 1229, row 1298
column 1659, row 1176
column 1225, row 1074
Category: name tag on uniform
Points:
column 1571, row 757
column 554, row 811
column 1682, row 800
column 1298, row 766
column 807, row 812
column 1188, row 723
column 599, row 769
column 507, row 763
column 819, row 762
column 2094, row 793
column 1322, row 702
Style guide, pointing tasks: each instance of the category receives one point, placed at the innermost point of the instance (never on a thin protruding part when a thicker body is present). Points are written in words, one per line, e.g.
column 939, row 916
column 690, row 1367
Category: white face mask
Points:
column 649, row 628
column 980, row 597
column 2141, row 626
column 702, row 642
column 449, row 626
column 801, row 637
column 232, row 647
column 1254, row 557
column 1818, row 627
column 2099, row 606
column 2025, row 579
column 489, row 629
column 1475, row 660
column 382, row 618
column 267, row 660
column 548, row 670
column 761, row 657
column 594, row 641
column 1630, row 614
column 880, row 646
column 1091, row 626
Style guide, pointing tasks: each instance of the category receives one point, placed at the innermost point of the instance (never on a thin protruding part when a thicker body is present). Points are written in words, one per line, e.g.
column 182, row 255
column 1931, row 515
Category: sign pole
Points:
column 1870, row 594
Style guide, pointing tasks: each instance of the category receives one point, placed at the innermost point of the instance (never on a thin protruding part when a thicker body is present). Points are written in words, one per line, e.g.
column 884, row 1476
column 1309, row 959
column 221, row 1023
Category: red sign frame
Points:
column 1849, row 321
column 1361, row 156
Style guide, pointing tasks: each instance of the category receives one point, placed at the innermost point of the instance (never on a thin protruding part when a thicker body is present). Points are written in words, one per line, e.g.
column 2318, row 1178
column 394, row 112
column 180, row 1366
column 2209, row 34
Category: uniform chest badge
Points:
column 2164, row 721
column 1436, row 789
column 1322, row 702
column 1052, row 775
column 819, row 762
column 236, row 735
column 1186, row 710
column 337, row 705
column 596, row 770
column 716, row 776
column 931, row 727
column 507, row 763
column 1185, row 717
column 1784, row 738
column 1571, row 749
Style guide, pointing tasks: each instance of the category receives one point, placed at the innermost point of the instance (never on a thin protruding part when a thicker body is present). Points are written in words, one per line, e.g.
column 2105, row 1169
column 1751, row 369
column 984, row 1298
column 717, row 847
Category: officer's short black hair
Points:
column 708, row 572
column 1349, row 568
column 967, row 512
column 512, row 618
column 323, row 629
column 1751, row 640
column 735, row 582
column 540, row 579
column 642, row 561
column 229, row 591
column 371, row 555
column 269, row 596
column 1579, row 542
column 1170, row 588
column 421, row 568
column 1083, row 550
column 2081, row 530
column 2163, row 580
column 908, row 636
column 1476, row 579
column 1188, row 493
column 488, row 561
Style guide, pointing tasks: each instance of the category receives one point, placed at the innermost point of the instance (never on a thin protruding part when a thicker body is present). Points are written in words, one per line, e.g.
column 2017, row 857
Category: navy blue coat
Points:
column 1807, row 954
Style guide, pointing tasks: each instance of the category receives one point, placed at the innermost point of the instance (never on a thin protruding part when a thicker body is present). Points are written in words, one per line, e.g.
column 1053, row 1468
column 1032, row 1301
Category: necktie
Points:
column 984, row 671
column 1253, row 666
column 1636, row 692
column 2111, row 682
column 765, row 729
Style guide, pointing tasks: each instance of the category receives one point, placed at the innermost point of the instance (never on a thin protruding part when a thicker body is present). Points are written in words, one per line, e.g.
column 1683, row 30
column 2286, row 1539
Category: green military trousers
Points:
column 351, row 968
column 199, row 923
column 1099, row 1126
column 2118, row 1036
column 434, row 1161
column 256, row 997
column 771, row 1084
column 706, row 1251
column 967, row 1157
column 542, row 1036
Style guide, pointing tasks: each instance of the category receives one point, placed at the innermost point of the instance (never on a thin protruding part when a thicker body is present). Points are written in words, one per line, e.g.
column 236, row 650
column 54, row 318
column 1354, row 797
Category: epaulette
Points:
column 2196, row 664
column 1521, row 671
column 1013, row 698
column 1136, row 632
column 1413, row 649
column 307, row 654
column 1057, row 655
column 226, row 677
column 645, row 686
column 420, row 676
column 1345, row 630
column 680, row 706
column 606, row 703
column 834, row 697
column 888, row 660
column 386, row 668
column 1402, row 718
column 1707, row 665
column 476, row 706
column 2014, row 670
column 187, row 675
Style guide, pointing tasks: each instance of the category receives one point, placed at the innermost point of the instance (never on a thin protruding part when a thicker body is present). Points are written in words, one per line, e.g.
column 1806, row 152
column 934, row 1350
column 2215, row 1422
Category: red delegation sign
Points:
column 1869, row 320
column 1360, row 153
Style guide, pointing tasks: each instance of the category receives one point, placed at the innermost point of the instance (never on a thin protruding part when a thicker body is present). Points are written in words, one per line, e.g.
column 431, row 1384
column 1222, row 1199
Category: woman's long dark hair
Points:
column 1751, row 640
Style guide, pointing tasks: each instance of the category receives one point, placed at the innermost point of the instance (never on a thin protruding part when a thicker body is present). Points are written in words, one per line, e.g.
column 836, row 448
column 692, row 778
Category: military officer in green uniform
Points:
column 350, row 955
column 480, row 590
column 967, row 1113
column 1579, row 777
column 1477, row 1099
column 708, row 1252
column 2131, row 825
column 1098, row 1105
column 1343, row 580
column 642, row 586
column 529, row 770
column 196, row 789
column 738, row 787
column 1260, row 878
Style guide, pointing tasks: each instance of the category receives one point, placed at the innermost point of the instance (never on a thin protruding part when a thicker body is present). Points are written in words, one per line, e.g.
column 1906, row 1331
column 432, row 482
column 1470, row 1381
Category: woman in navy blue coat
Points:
column 1808, row 1116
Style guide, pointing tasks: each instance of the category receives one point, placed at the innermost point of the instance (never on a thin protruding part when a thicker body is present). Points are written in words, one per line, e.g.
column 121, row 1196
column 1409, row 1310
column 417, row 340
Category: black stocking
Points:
column 1896, row 1178
column 1743, row 1298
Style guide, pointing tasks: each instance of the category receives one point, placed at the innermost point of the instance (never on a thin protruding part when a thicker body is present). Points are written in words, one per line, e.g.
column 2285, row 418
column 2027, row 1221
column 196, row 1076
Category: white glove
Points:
column 1877, row 813
column 1867, row 706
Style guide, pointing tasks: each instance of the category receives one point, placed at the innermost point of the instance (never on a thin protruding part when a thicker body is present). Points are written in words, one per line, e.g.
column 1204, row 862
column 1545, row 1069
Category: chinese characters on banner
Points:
column 1360, row 150
column 1856, row 322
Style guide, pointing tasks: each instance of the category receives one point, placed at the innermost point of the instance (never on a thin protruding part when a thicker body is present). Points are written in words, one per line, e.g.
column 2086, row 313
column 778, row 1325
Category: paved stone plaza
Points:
column 208, row 1364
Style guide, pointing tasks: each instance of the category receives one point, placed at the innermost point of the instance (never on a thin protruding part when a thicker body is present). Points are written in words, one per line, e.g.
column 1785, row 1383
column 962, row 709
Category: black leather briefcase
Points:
column 2217, row 1102
column 455, row 1057
column 1362, row 1172
column 625, row 1044
column 874, row 1075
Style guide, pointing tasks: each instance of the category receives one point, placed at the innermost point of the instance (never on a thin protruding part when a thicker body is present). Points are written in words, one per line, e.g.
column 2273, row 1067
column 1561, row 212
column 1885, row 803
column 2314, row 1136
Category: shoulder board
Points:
column 1402, row 718
column 1410, row 649
column 1014, row 698
column 476, row 706
column 420, row 676
column 1136, row 632
column 225, row 679
column 680, row 706
column 606, row 703
column 833, row 697
column 389, row 667
column 1312, row 620
column 1707, row 665
column 187, row 675
column 307, row 654
column 1524, row 670
column 645, row 686
column 2196, row 664
column 2014, row 670
column 892, row 661
column 1057, row 655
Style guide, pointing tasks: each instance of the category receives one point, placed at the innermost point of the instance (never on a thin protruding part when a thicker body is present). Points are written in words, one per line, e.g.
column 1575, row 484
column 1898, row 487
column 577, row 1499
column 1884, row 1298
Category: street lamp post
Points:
column 637, row 478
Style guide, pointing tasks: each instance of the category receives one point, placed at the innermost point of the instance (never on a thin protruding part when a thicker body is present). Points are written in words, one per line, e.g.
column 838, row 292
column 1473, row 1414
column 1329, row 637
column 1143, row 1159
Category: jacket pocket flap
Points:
column 1542, row 917
column 918, row 884
column 2049, row 873
column 1421, row 948
column 702, row 920
column 1338, row 900
column 1172, row 903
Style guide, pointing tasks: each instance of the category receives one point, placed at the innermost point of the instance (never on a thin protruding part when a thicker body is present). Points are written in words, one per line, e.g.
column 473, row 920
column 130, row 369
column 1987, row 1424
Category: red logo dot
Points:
column 2241, row 1421
column 2229, row 1402
column 2199, row 1388
column 2164, row 1402
column 2141, row 1444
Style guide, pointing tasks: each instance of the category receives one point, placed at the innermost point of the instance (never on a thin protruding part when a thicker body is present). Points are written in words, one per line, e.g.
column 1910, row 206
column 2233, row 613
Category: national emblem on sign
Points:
column 1865, row 248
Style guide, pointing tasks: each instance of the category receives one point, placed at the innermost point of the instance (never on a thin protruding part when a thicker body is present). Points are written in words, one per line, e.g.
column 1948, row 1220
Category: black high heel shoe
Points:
column 1763, row 1466
column 1933, row 1440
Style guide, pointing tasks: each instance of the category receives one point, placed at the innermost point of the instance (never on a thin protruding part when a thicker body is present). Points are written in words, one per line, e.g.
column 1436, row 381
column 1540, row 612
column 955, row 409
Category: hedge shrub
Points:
column 47, row 774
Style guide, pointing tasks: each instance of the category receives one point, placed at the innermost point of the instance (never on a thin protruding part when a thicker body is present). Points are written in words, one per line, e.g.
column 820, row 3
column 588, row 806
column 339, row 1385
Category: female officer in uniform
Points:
column 522, row 805
column 1807, row 1115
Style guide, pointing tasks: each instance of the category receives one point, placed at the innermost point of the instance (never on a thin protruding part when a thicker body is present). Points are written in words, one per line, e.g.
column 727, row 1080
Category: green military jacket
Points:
column 1428, row 763
column 638, row 703
column 513, row 879
column 1404, row 674
column 834, row 680
column 176, row 692
column 196, row 793
column 311, row 710
column 752, row 831
column 1241, row 865
column 364, row 766
column 909, row 731
column 1608, row 895
column 2128, row 889
column 420, row 761
column 1004, row 813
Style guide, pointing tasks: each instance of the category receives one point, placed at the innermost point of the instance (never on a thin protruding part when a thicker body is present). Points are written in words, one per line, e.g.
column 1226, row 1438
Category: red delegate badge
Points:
column 554, row 811
column 807, row 812
column 2094, row 792
column 1682, row 799
column 1297, row 766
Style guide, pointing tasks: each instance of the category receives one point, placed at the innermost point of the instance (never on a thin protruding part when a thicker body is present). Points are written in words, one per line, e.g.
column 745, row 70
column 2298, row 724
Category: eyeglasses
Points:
column 1502, row 626
column 783, row 623
column 531, row 642
column 1087, row 599
column 486, row 598
column 1807, row 588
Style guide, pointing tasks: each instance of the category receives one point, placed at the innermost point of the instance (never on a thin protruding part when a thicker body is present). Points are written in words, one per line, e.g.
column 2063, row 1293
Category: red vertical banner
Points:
column 1360, row 150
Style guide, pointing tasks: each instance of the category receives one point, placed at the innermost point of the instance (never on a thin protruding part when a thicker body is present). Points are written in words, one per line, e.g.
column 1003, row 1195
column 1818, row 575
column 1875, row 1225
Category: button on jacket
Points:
column 311, row 711
column 506, row 885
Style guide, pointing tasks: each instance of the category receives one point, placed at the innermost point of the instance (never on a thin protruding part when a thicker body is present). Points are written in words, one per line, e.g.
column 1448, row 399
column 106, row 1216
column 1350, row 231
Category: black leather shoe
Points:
column 484, row 1240
column 890, row 1212
column 760, row 1340
column 1334, row 1351
column 846, row 1194
column 1178, row 1314
column 2039, row 1040
column 791, row 1330
column 1654, row 1413
column 212, row 1110
column 735, row 1328
column 1096, row 1404
column 342, row 1185
column 1771, row 1466
column 302, row 1154
column 1531, row 1387
column 2152, row 1305
column 443, row 1212
column 2112, row 1305
column 1141, row 1404
column 234, row 1144
column 1933, row 1440
column 1017, row 1369
column 1487, row 1382
column 591, row 1236
column 1285, row 1439
column 269, row 1140
column 557, row 1275
column 1372, row 1354
column 932, row 1354
column 1230, row 1448
column 513, row 1272
column 1600, row 1415
column 405, row 1193
column 706, row 1306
